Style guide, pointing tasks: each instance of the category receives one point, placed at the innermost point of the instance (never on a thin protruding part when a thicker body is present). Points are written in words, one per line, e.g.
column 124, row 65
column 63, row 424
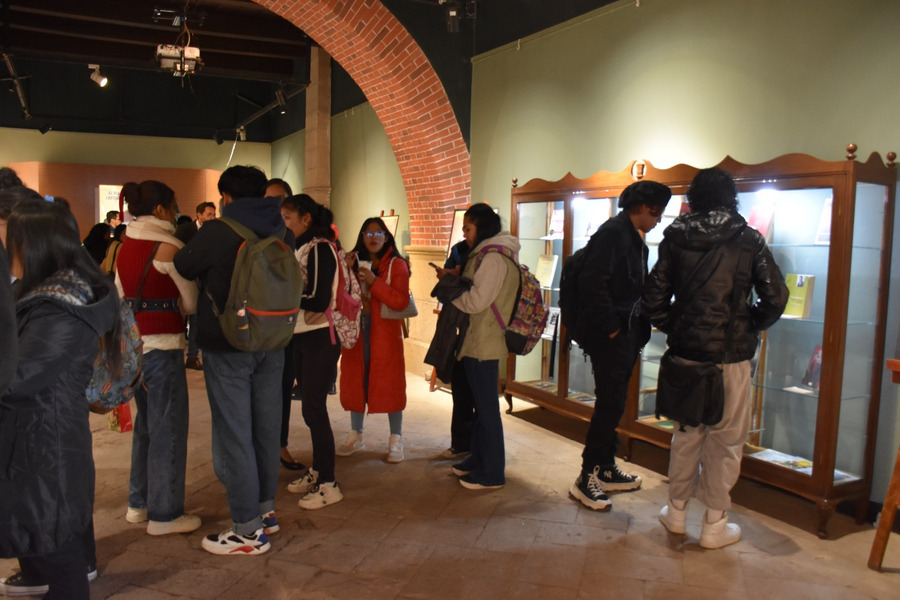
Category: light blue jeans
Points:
column 244, row 390
column 159, row 445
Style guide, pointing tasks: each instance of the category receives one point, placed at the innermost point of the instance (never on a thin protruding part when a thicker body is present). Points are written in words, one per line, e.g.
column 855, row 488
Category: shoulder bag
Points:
column 389, row 313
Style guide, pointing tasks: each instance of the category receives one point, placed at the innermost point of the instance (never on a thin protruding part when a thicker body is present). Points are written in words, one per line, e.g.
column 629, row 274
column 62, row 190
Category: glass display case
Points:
column 816, row 383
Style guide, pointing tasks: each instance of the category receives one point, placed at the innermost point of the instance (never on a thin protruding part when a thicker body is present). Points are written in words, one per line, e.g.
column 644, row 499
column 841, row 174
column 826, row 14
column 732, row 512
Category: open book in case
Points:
column 817, row 375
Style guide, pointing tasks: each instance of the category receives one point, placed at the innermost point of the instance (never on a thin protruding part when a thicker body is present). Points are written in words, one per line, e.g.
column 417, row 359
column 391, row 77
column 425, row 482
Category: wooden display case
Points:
column 817, row 375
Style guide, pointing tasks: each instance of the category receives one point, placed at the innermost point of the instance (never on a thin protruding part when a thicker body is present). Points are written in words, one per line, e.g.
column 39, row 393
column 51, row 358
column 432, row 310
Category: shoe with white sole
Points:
column 302, row 485
column 136, row 515
column 395, row 449
column 229, row 543
column 183, row 524
column 672, row 518
column 719, row 534
column 353, row 444
column 270, row 523
column 321, row 495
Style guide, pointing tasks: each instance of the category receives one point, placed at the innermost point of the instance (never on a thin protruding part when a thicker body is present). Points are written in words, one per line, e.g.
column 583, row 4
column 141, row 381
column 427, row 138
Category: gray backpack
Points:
column 264, row 298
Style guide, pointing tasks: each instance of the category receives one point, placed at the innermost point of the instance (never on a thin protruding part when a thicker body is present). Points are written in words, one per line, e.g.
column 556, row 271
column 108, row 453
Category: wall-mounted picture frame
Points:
column 392, row 222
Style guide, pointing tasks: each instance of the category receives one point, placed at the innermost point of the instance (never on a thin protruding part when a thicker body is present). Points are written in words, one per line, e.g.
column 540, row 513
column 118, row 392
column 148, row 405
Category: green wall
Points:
column 686, row 81
column 364, row 174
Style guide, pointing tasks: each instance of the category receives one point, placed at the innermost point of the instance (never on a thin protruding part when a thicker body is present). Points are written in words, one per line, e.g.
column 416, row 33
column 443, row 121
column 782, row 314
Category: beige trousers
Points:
column 705, row 461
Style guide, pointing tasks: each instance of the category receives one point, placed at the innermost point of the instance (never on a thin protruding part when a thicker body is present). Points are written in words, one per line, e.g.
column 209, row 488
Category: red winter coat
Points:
column 387, row 369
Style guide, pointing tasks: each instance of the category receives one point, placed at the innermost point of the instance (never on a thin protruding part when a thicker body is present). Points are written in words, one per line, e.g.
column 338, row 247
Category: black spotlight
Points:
column 47, row 127
column 217, row 137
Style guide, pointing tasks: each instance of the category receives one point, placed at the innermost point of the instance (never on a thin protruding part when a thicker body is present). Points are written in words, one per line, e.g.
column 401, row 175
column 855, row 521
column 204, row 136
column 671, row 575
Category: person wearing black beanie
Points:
column 609, row 291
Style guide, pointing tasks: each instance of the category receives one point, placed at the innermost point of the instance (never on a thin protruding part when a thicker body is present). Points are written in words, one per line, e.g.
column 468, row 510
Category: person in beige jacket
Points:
column 495, row 281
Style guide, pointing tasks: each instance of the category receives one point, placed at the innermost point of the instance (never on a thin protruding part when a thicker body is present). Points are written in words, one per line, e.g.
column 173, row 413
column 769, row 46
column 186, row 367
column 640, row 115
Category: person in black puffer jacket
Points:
column 704, row 324
column 64, row 305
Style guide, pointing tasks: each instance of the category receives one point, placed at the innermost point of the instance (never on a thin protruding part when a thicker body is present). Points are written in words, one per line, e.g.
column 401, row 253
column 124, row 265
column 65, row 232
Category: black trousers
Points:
column 64, row 570
column 315, row 365
column 463, row 416
column 612, row 362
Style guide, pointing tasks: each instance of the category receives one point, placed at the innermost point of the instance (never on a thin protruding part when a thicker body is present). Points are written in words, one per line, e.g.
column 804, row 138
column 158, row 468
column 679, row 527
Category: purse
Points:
column 388, row 313
column 690, row 392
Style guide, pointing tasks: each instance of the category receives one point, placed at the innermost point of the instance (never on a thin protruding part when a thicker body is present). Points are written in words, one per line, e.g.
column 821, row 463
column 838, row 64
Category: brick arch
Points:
column 406, row 94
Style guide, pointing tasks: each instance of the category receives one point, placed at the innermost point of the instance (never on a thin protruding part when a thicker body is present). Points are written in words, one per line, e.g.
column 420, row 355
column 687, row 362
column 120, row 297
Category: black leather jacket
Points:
column 697, row 322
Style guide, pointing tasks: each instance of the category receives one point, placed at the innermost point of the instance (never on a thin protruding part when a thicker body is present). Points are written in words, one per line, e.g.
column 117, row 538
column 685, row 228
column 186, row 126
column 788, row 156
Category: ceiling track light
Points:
column 281, row 100
column 47, row 127
column 96, row 77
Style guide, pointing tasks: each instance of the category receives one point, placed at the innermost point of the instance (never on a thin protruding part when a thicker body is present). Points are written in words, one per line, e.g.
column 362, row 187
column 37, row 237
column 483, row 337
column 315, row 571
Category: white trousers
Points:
column 705, row 461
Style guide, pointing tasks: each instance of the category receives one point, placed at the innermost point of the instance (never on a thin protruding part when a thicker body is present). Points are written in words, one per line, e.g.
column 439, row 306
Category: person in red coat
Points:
column 384, row 277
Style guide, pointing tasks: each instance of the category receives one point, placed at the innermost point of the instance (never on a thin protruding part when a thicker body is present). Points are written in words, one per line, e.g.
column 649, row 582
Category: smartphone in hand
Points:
column 434, row 265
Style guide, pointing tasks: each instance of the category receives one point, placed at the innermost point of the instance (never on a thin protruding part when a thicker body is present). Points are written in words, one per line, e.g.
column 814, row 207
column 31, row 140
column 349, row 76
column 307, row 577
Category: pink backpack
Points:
column 346, row 298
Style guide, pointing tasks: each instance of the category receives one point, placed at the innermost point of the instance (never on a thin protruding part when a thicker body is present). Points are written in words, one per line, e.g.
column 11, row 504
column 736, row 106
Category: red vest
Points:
column 130, row 264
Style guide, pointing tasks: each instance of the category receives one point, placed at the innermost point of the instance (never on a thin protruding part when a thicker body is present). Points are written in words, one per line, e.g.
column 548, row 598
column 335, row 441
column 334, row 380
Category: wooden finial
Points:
column 851, row 151
column 515, row 182
column 891, row 156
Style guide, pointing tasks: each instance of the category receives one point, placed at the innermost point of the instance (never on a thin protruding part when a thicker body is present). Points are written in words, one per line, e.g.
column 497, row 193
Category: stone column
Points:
column 421, row 328
column 317, row 178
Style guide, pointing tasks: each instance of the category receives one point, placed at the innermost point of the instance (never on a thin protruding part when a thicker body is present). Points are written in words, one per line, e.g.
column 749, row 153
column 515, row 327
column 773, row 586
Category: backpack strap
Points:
column 134, row 303
column 503, row 251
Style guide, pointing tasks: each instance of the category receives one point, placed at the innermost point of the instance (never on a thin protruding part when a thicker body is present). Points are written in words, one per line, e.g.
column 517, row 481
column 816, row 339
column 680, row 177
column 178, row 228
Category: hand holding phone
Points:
column 434, row 265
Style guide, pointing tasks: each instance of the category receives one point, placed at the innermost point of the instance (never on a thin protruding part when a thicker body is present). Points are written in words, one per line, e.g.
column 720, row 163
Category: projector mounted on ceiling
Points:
column 181, row 60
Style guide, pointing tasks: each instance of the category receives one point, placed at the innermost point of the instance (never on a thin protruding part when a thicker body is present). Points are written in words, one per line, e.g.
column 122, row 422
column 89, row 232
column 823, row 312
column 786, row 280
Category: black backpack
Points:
column 570, row 305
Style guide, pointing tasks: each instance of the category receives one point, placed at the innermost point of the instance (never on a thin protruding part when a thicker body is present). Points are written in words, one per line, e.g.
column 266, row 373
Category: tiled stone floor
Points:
column 409, row 531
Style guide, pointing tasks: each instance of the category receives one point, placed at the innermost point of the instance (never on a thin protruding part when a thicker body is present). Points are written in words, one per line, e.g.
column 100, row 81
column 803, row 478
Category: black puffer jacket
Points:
column 697, row 322
column 46, row 464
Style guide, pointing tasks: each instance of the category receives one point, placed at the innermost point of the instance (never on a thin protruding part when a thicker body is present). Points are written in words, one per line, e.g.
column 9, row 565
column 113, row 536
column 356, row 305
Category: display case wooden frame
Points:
column 823, row 481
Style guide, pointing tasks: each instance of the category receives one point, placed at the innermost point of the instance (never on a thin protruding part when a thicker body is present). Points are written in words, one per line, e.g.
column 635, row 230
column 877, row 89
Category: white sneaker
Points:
column 302, row 485
column 395, row 449
column 183, row 524
column 321, row 495
column 136, row 515
column 673, row 519
column 354, row 443
column 229, row 543
column 719, row 534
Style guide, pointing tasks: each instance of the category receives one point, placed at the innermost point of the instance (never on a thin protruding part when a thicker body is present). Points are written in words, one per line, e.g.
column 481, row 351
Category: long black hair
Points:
column 322, row 217
column 388, row 249
column 487, row 222
column 44, row 238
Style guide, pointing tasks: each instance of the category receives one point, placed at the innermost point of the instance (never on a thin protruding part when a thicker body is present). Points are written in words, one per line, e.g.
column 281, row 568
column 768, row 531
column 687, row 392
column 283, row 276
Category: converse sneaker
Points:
column 321, row 495
column 302, row 485
column 229, row 543
column 395, row 449
column 183, row 524
column 270, row 523
column 612, row 479
column 588, row 491
column 719, row 534
column 16, row 585
column 354, row 443
column 672, row 518
column 136, row 515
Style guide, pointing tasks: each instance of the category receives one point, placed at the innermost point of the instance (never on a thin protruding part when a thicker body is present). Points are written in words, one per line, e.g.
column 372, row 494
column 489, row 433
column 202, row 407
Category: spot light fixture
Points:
column 96, row 77
column 45, row 128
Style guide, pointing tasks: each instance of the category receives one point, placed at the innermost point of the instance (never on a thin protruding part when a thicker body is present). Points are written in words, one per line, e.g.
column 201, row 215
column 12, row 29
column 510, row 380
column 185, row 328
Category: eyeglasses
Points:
column 378, row 234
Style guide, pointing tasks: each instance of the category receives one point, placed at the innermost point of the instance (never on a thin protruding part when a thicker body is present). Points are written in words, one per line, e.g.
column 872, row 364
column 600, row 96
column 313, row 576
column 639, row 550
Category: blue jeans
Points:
column 159, row 446
column 244, row 391
column 487, row 462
